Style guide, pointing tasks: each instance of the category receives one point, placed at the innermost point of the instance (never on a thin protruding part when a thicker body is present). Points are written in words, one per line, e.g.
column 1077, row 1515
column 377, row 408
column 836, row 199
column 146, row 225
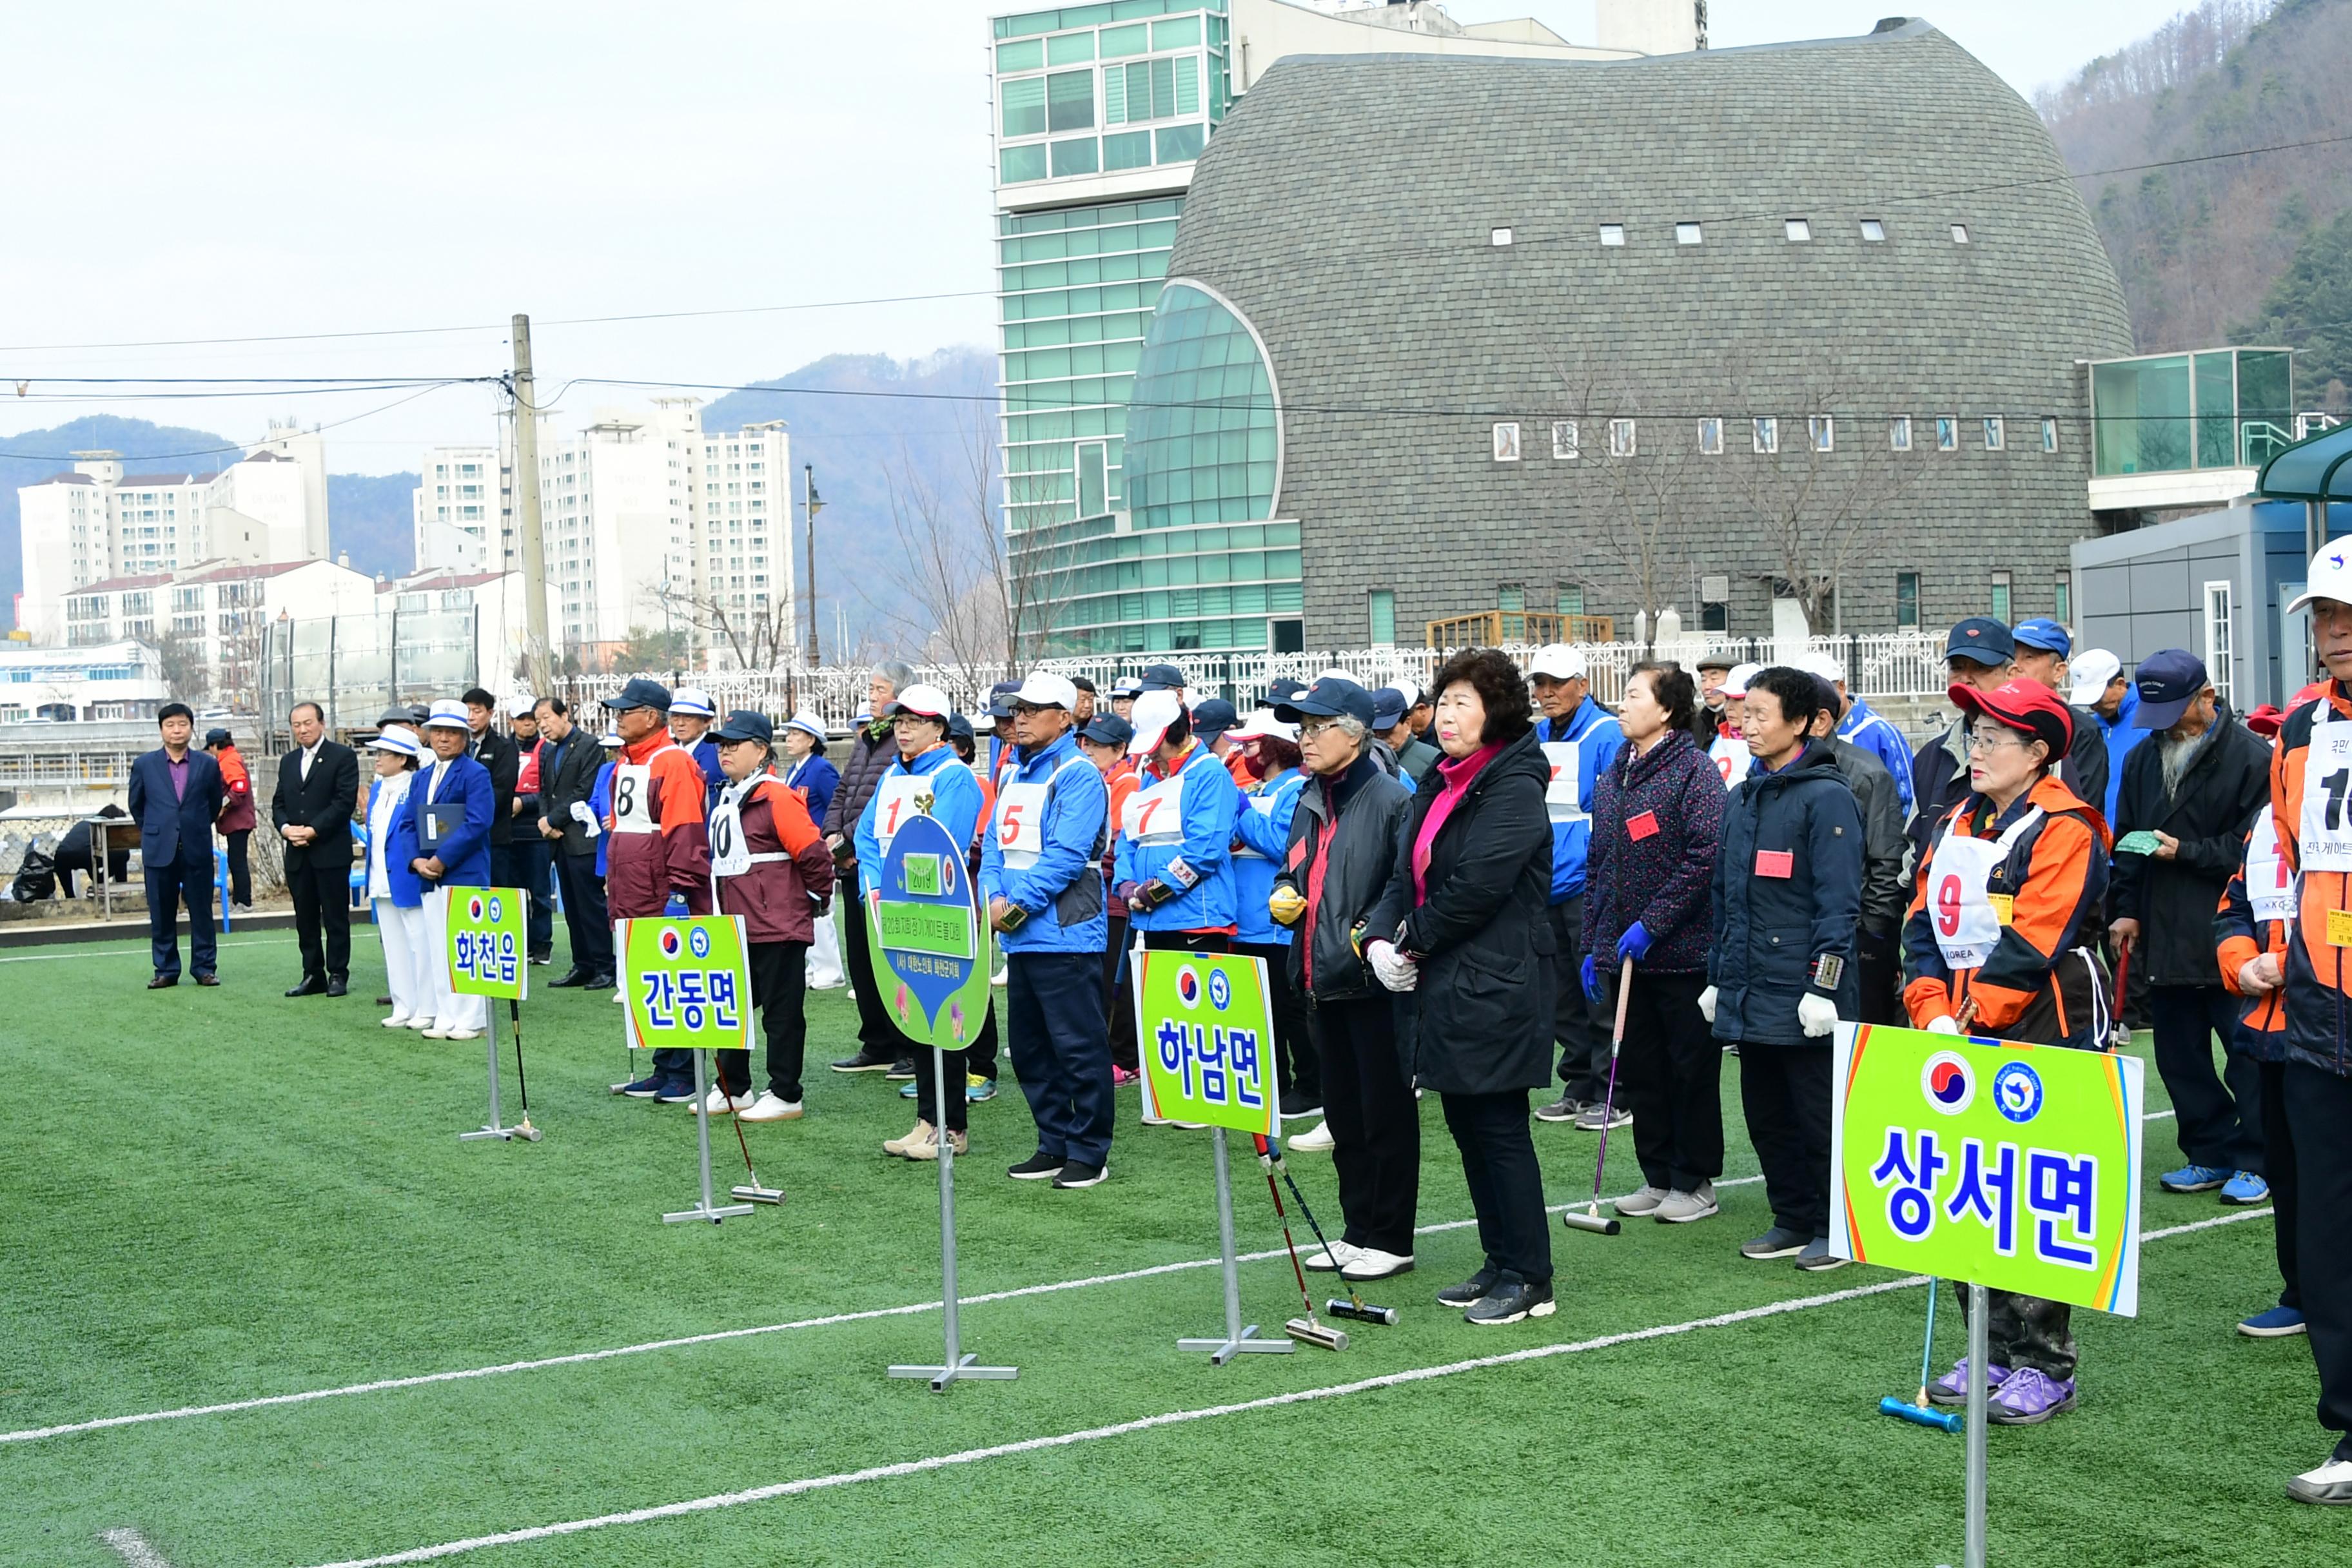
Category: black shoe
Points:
column 543, row 957
column 1079, row 1174
column 865, row 1061
column 312, row 987
column 383, row 1000
column 1298, row 1105
column 575, row 975
column 1565, row 1109
column 598, row 983
column 1511, row 1299
column 1037, row 1167
column 338, row 987
column 208, row 979
column 162, row 981
column 901, row 1071
column 1470, row 1292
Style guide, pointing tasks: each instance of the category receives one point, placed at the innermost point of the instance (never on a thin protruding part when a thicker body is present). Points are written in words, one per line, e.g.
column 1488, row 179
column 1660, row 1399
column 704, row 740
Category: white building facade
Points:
column 119, row 680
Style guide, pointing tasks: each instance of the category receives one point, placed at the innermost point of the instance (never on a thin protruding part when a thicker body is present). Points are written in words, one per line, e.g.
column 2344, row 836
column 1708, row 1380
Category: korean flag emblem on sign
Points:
column 474, row 907
column 1188, row 986
column 669, row 942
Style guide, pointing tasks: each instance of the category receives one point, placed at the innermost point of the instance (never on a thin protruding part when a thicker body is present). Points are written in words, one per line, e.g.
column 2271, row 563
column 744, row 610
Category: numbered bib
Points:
column 2270, row 881
column 730, row 854
column 895, row 804
column 1967, row 915
column 633, row 798
column 1021, row 823
column 2323, row 836
column 1730, row 756
column 1155, row 815
column 1562, row 802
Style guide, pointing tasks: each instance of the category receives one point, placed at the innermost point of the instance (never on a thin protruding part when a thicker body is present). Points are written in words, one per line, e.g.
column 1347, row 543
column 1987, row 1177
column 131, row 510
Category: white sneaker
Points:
column 1001, row 976
column 1642, row 1200
column 1681, row 1207
column 716, row 1103
column 2329, row 1484
column 1370, row 1263
column 436, row 1032
column 770, row 1107
column 1339, row 1256
column 424, row 1021
column 397, row 1021
column 456, row 1035
column 1315, row 1137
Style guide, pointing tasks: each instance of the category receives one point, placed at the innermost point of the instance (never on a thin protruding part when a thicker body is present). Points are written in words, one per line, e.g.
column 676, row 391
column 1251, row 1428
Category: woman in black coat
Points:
column 1472, row 958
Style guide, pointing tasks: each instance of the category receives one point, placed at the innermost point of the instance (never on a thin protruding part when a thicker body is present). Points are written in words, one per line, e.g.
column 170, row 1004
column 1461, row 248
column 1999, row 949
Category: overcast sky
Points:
column 252, row 169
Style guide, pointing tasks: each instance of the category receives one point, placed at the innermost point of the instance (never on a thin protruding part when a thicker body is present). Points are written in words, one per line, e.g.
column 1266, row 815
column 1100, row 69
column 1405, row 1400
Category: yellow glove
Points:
column 1285, row 904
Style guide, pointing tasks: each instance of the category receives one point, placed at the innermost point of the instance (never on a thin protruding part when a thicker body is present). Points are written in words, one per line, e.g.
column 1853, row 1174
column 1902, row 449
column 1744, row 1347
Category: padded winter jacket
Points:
column 1788, row 898
column 2225, row 783
column 1340, row 863
column 1657, row 829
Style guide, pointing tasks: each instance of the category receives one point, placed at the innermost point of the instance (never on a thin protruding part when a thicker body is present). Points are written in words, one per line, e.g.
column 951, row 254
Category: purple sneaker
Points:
column 2030, row 1397
column 1952, row 1388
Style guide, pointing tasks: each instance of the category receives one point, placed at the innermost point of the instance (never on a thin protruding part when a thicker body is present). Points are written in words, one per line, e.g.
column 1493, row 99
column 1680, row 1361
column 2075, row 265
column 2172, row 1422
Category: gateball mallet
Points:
column 1305, row 1330
column 1918, row 1412
column 1354, row 1307
column 750, row 1191
column 514, row 1018
column 1591, row 1218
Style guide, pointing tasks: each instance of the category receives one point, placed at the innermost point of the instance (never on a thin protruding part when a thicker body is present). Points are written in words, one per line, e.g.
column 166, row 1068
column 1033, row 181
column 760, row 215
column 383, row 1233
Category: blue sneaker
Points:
column 2278, row 1324
column 910, row 1090
column 2193, row 1179
column 977, row 1089
column 642, row 1089
column 679, row 1093
column 2245, row 1187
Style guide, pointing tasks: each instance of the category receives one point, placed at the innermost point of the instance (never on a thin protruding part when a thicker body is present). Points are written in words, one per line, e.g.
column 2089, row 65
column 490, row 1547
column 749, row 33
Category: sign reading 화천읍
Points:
column 930, row 952
column 2008, row 1165
column 686, row 983
column 485, row 952
column 1206, row 1027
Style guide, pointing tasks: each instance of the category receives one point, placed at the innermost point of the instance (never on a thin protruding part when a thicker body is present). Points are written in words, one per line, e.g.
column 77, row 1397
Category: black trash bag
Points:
column 37, row 878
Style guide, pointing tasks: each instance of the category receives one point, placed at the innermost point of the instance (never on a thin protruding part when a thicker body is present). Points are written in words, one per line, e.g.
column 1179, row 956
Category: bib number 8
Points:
column 625, row 798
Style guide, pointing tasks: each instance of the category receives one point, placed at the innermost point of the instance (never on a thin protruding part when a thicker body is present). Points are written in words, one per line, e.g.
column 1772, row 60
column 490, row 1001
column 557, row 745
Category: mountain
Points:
column 37, row 454
column 369, row 518
column 866, row 423
column 2205, row 245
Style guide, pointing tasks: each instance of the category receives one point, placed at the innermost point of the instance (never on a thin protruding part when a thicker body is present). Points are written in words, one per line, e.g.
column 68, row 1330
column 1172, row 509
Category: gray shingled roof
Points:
column 1347, row 206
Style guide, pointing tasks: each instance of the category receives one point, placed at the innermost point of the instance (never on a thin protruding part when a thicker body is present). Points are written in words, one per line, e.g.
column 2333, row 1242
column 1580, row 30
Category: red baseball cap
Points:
column 2026, row 706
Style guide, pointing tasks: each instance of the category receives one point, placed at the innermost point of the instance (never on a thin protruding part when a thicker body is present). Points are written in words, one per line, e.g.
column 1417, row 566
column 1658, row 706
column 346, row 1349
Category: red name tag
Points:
column 1780, row 863
column 1640, row 827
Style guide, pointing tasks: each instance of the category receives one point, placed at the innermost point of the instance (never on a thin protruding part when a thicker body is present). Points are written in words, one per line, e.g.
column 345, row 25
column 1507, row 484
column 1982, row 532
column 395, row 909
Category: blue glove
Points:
column 676, row 908
column 1635, row 943
column 1591, row 979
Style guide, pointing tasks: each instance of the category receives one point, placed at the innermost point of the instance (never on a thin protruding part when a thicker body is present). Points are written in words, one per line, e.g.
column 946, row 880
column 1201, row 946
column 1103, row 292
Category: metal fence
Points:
column 355, row 666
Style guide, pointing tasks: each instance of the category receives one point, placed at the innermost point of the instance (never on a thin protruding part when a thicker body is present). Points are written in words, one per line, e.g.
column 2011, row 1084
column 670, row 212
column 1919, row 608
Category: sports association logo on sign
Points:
column 2008, row 1165
column 931, row 951
column 485, row 954
column 1206, row 1027
column 686, row 983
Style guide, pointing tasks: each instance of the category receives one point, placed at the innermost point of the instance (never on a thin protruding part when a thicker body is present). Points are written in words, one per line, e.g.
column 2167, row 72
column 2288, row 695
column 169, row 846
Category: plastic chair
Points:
column 220, row 881
column 359, row 875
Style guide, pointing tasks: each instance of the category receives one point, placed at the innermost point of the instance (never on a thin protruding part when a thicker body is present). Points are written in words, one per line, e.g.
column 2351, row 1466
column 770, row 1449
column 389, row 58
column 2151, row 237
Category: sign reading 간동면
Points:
column 1205, row 1027
column 686, row 982
column 930, row 955
column 2008, row 1165
column 485, row 955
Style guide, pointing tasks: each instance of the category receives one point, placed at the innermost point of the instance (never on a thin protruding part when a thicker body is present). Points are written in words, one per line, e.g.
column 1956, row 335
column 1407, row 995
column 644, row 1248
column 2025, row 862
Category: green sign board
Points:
column 686, row 983
column 2008, row 1165
column 931, row 949
column 1206, row 1025
column 486, row 955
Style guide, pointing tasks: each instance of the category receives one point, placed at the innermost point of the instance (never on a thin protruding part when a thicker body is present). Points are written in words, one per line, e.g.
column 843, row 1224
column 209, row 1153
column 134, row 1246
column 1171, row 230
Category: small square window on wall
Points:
column 1959, row 233
column 1797, row 230
column 1380, row 618
column 2049, row 434
column 1571, row 599
column 1906, row 601
column 1823, row 430
column 1710, row 436
column 2001, row 597
column 1687, row 234
column 1612, row 234
column 1766, row 431
column 1499, row 236
column 1621, row 438
column 1563, row 440
column 1948, row 433
column 2065, row 599
column 1506, row 443
column 1996, row 438
column 1898, row 433
column 1873, row 231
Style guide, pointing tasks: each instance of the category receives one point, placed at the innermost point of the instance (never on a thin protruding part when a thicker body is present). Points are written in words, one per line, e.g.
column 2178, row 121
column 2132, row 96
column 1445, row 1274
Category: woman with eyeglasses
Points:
column 1992, row 946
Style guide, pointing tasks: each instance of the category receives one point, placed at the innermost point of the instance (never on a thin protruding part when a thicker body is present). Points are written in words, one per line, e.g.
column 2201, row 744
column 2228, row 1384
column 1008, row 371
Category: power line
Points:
column 232, row 446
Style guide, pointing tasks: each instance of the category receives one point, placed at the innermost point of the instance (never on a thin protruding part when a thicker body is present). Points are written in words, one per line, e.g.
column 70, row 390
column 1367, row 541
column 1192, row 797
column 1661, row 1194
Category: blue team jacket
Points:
column 1063, row 891
column 1264, row 836
column 955, row 803
column 1200, row 869
column 399, row 849
column 1596, row 728
column 466, row 854
column 1873, row 734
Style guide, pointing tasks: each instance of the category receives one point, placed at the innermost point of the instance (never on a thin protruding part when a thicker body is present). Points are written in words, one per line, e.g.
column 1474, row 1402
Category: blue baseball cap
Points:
column 642, row 691
column 1213, row 718
column 1161, row 677
column 1328, row 698
column 1108, row 729
column 1389, row 708
column 743, row 724
column 2168, row 682
column 1000, row 698
column 1980, row 639
column 2041, row 632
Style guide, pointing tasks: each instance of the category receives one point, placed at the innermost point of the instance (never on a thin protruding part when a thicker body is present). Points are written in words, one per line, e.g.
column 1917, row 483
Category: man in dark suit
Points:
column 175, row 793
column 569, row 761
column 503, row 758
column 318, row 787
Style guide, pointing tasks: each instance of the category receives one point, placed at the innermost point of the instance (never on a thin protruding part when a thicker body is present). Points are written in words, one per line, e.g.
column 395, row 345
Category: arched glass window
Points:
column 1204, row 440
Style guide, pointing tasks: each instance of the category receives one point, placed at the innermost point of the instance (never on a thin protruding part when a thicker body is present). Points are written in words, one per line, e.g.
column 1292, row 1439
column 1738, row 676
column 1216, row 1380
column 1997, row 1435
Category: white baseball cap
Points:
column 1336, row 673
column 1558, row 661
column 1736, row 680
column 1826, row 666
column 2091, row 669
column 611, row 740
column 807, row 719
column 2330, row 576
column 1042, row 688
column 923, row 701
column 448, row 714
column 1261, row 724
column 397, row 738
column 692, row 701
column 521, row 707
column 1154, row 711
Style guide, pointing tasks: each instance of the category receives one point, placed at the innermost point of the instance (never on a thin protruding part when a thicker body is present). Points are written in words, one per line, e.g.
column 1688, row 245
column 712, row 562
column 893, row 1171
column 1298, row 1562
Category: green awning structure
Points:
column 2316, row 468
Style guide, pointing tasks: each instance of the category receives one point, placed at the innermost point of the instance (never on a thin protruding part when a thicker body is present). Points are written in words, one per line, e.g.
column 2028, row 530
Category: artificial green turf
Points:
column 210, row 1195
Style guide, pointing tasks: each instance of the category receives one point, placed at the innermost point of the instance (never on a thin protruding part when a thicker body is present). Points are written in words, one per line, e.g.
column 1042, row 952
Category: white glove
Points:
column 1816, row 1015
column 1943, row 1024
column 1707, row 1003
column 586, row 818
column 1395, row 971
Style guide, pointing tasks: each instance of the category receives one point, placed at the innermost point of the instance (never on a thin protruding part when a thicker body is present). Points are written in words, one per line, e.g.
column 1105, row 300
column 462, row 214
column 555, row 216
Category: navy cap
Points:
column 2168, row 682
column 1000, row 698
column 1162, row 678
column 2043, row 633
column 216, row 738
column 1278, row 693
column 959, row 728
column 642, row 691
column 1389, row 708
column 1330, row 698
column 1213, row 718
column 1981, row 640
column 1108, row 729
column 745, row 725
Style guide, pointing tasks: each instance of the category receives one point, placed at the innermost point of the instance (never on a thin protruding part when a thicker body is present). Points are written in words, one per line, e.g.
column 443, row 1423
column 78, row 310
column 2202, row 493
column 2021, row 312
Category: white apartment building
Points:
column 97, row 523
column 113, row 680
column 649, row 522
column 216, row 614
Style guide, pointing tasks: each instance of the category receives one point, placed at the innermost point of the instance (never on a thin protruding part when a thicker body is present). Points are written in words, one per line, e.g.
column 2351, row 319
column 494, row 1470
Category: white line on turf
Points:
column 112, row 952
column 579, row 1358
column 133, row 1549
column 1173, row 1418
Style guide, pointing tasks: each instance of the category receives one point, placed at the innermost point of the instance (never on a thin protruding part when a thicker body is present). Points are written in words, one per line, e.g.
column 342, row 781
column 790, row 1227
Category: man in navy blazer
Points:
column 451, row 803
column 176, row 794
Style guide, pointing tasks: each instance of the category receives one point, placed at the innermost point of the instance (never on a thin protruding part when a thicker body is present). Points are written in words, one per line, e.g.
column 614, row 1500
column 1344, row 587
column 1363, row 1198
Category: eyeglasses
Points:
column 1993, row 739
column 1031, row 709
column 1309, row 729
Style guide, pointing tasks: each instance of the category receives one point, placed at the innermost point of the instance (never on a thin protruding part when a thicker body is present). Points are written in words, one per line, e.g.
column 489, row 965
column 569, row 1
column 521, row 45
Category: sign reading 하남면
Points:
column 486, row 955
column 1206, row 1028
column 2007, row 1165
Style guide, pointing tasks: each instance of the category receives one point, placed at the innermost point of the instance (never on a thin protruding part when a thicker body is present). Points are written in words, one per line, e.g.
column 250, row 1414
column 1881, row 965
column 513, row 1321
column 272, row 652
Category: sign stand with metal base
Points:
column 494, row 1128
column 704, row 1209
column 1238, row 1338
column 958, row 1363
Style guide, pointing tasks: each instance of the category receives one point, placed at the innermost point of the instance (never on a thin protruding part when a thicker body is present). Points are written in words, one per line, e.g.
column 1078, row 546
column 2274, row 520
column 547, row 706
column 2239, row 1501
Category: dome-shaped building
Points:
column 1444, row 335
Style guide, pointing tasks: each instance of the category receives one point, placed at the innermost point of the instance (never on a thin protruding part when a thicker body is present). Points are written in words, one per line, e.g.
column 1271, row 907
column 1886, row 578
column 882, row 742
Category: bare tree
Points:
column 1821, row 505
column 187, row 673
column 755, row 630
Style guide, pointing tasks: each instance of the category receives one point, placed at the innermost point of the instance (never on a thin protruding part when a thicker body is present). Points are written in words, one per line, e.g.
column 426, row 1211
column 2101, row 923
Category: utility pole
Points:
column 534, row 547
column 811, row 505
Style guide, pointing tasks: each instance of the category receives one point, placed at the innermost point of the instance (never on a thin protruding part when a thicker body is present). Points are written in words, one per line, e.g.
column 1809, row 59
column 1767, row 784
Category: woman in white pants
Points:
column 393, row 890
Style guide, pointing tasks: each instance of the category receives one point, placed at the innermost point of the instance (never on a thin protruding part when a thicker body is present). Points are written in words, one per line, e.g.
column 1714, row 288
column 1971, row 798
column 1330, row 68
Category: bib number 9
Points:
column 1948, row 905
